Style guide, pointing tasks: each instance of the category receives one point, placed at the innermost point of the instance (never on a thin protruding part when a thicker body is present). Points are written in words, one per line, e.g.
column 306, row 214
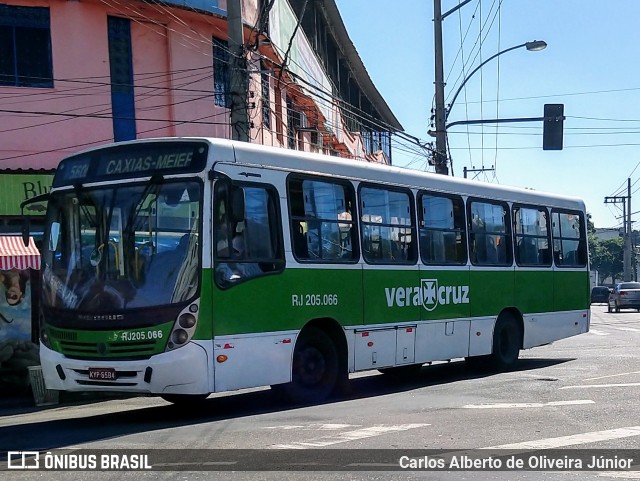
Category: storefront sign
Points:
column 16, row 188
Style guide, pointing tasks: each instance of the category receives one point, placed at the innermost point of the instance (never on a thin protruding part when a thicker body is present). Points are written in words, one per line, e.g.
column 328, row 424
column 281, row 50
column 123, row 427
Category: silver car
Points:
column 626, row 295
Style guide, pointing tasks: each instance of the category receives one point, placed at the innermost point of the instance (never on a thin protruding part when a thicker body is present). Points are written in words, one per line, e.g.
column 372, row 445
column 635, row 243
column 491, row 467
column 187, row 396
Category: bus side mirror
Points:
column 26, row 230
column 31, row 205
column 237, row 205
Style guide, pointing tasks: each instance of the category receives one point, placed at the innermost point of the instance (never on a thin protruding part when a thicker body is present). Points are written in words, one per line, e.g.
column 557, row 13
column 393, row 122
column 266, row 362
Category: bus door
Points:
column 249, row 301
column 571, row 299
column 391, row 287
column 444, row 278
column 533, row 272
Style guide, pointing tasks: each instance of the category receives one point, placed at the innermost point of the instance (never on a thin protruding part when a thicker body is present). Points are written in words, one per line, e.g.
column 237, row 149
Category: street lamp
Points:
column 534, row 46
column 441, row 113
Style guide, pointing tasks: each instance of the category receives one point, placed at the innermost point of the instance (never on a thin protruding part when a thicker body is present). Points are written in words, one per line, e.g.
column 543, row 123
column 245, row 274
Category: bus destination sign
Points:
column 128, row 161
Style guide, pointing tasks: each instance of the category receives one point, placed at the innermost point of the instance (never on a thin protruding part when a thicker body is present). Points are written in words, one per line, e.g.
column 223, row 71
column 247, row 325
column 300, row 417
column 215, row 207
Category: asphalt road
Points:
column 579, row 394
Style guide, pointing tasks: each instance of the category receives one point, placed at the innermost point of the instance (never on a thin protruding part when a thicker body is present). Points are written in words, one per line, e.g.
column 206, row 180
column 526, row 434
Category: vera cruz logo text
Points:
column 429, row 294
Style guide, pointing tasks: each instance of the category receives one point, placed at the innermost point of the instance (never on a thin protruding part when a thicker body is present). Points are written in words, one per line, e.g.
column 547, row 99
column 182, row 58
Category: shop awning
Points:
column 15, row 255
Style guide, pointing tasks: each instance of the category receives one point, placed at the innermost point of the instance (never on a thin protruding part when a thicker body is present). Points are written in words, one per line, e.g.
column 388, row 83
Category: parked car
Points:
column 600, row 295
column 625, row 295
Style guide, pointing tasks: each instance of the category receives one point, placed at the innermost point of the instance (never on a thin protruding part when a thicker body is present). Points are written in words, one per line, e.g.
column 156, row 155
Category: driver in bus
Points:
column 235, row 271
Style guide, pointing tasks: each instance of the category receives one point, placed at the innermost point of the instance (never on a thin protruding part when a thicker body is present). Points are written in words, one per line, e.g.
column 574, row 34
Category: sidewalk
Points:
column 13, row 402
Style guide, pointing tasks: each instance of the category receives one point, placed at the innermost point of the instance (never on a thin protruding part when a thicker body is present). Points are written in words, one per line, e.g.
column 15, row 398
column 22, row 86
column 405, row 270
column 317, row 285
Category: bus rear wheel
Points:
column 315, row 368
column 507, row 341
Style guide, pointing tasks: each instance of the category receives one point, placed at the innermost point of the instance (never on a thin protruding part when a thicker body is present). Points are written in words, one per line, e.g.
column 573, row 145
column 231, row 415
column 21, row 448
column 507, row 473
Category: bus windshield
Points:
column 125, row 246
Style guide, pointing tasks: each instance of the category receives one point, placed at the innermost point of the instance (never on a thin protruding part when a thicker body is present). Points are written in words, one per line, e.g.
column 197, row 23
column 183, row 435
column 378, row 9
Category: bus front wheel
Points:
column 507, row 341
column 315, row 368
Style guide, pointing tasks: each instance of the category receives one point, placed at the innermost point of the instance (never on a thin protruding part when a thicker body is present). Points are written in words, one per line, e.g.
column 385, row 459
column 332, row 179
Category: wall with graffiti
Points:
column 15, row 305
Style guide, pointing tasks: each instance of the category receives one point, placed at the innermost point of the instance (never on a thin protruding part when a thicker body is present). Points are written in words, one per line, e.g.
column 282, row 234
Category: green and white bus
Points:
column 183, row 267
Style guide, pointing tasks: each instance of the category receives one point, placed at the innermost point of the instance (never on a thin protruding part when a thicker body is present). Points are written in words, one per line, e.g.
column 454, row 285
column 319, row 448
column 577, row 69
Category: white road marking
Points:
column 612, row 375
column 314, row 427
column 628, row 329
column 589, row 386
column 527, row 405
column 622, row 474
column 348, row 436
column 598, row 333
column 584, row 438
column 554, row 443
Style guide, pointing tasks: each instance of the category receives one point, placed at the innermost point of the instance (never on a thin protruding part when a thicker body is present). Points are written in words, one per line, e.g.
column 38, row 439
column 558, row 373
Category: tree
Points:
column 606, row 256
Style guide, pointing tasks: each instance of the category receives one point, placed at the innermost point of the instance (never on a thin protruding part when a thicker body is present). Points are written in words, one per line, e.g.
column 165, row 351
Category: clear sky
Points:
column 591, row 66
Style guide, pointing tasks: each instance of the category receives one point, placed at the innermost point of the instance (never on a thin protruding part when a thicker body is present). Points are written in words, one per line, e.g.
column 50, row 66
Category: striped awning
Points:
column 15, row 255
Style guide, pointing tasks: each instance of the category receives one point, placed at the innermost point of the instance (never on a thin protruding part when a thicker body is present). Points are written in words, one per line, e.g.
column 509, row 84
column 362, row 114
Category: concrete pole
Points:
column 627, row 237
column 238, row 72
column 440, row 155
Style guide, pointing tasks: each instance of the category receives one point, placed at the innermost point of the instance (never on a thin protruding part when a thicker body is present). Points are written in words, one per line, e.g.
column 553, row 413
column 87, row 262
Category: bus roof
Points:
column 225, row 150
column 256, row 154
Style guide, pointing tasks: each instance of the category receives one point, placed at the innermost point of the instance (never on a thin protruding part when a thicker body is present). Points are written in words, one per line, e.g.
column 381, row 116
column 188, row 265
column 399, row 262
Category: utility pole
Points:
column 238, row 84
column 627, row 239
column 626, row 228
column 440, row 155
column 465, row 170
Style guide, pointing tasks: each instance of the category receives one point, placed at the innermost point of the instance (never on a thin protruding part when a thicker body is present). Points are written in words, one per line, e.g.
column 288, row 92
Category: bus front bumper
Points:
column 182, row 371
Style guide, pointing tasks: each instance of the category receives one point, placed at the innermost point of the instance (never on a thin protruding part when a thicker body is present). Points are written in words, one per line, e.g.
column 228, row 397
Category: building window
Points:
column 221, row 74
column 296, row 124
column 265, row 78
column 292, row 121
column 278, row 112
column 25, row 47
column 121, row 69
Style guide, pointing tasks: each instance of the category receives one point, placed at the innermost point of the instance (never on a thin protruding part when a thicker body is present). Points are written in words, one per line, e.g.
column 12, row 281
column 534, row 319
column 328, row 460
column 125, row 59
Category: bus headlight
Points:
column 44, row 337
column 179, row 336
column 184, row 327
column 187, row 320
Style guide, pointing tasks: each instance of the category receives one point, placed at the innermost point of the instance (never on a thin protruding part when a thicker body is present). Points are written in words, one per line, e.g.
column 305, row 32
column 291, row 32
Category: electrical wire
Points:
column 144, row 20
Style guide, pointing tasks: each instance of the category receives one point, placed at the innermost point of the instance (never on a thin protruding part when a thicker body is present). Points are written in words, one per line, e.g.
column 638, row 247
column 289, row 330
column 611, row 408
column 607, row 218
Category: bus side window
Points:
column 569, row 239
column 321, row 220
column 490, row 233
column 531, row 235
column 388, row 225
column 250, row 245
column 300, row 248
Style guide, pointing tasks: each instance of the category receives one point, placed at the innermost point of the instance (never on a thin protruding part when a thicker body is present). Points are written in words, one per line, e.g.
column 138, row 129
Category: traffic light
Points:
column 552, row 126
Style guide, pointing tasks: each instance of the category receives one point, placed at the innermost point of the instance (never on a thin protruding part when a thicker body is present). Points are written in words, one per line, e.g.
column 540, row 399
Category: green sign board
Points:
column 16, row 188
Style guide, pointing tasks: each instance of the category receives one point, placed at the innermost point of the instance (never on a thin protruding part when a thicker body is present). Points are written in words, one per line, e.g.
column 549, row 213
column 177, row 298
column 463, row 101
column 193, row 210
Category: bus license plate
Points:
column 102, row 374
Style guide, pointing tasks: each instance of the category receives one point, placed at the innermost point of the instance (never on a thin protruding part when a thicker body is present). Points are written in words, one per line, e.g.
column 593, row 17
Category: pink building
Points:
column 78, row 73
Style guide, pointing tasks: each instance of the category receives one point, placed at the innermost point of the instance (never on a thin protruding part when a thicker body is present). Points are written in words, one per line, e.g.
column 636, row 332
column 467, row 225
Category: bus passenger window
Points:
column 569, row 239
column 321, row 220
column 388, row 226
column 299, row 237
column 249, row 245
column 442, row 229
column 531, row 234
column 489, row 233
